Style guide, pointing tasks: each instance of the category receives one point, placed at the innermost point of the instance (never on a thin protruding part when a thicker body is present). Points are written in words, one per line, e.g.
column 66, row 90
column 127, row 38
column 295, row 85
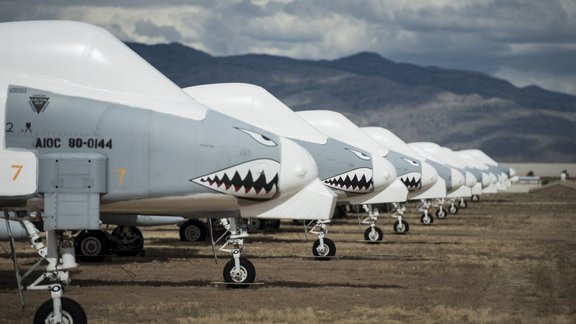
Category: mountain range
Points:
column 454, row 108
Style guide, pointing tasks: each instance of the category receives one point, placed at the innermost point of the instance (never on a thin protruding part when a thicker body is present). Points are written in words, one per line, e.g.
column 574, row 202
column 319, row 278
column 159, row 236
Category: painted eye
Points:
column 259, row 137
column 360, row 155
column 414, row 163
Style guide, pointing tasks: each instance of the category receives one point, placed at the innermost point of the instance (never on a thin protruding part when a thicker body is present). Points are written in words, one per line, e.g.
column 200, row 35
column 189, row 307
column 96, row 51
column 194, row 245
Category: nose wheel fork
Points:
column 59, row 254
column 453, row 208
column 323, row 248
column 373, row 234
column 425, row 218
column 400, row 226
column 239, row 272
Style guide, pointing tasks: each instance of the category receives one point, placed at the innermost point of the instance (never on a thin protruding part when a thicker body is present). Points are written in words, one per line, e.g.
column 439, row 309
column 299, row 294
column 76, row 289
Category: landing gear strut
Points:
column 323, row 248
column 71, row 312
column 372, row 234
column 425, row 218
column 453, row 209
column 400, row 225
column 441, row 213
column 59, row 254
column 238, row 272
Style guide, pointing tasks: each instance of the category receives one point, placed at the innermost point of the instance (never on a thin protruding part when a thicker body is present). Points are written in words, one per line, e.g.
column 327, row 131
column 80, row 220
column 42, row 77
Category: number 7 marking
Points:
column 121, row 174
column 18, row 168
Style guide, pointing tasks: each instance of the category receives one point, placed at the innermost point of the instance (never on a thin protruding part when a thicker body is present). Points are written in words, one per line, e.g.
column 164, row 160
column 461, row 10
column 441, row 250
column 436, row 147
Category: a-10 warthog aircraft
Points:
column 91, row 128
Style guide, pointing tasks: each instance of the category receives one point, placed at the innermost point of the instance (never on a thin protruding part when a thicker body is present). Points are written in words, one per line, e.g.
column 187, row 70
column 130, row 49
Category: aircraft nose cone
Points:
column 470, row 179
column 493, row 178
column 429, row 175
column 486, row 181
column 298, row 168
column 384, row 172
column 458, row 179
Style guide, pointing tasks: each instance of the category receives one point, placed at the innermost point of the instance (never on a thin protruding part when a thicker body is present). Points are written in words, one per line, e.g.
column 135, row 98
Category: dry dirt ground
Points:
column 509, row 258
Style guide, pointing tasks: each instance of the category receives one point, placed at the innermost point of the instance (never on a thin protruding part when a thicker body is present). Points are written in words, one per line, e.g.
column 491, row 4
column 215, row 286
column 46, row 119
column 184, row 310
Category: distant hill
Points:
column 455, row 108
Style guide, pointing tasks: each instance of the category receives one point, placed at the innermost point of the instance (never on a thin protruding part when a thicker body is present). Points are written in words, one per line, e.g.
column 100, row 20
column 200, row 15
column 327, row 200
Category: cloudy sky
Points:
column 524, row 41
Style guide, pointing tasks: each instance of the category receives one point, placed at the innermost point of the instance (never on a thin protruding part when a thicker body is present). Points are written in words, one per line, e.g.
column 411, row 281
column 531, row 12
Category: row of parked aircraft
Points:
column 94, row 135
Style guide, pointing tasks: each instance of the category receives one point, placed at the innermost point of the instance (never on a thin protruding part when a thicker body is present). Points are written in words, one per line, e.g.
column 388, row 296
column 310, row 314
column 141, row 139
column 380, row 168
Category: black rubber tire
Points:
column 71, row 311
column 401, row 230
column 431, row 221
column 136, row 247
column 475, row 198
column 254, row 224
column 97, row 251
column 463, row 204
column 330, row 249
column 441, row 215
column 373, row 240
column 248, row 270
column 193, row 230
column 453, row 209
column 274, row 224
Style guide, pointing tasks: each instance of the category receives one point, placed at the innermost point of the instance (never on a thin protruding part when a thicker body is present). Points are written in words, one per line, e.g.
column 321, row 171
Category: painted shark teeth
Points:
column 357, row 181
column 256, row 179
column 412, row 180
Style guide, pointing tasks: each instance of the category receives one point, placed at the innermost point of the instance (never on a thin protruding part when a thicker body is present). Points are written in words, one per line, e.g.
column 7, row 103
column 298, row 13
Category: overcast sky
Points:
column 524, row 41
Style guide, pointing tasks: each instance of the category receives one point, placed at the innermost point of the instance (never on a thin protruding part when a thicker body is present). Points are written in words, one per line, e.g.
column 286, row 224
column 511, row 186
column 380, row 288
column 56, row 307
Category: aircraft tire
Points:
column 275, row 224
column 372, row 237
column 72, row 312
column 453, row 209
column 92, row 246
column 254, row 224
column 129, row 246
column 426, row 220
column 192, row 230
column 330, row 249
column 463, row 204
column 248, row 273
column 401, row 228
column 441, row 213
column 475, row 198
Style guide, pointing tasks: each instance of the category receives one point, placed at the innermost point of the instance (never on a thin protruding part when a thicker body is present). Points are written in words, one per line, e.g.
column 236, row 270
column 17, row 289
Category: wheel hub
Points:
column 239, row 276
column 323, row 250
column 66, row 318
column 91, row 246
column 373, row 235
column 192, row 233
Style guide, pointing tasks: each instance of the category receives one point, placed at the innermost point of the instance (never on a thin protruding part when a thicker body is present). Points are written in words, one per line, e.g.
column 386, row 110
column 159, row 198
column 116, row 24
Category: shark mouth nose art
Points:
column 412, row 180
column 256, row 179
column 358, row 181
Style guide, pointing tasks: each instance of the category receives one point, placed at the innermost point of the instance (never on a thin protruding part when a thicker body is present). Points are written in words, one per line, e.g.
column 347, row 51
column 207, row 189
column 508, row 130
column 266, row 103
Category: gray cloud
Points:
column 147, row 28
column 527, row 41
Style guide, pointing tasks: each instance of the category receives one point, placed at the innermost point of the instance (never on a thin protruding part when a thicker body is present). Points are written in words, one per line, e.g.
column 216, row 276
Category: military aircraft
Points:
column 448, row 180
column 106, row 133
column 412, row 175
column 350, row 171
column 505, row 175
column 474, row 177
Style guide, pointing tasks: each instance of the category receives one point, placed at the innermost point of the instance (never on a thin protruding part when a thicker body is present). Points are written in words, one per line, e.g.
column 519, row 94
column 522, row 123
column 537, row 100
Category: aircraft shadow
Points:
column 206, row 283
